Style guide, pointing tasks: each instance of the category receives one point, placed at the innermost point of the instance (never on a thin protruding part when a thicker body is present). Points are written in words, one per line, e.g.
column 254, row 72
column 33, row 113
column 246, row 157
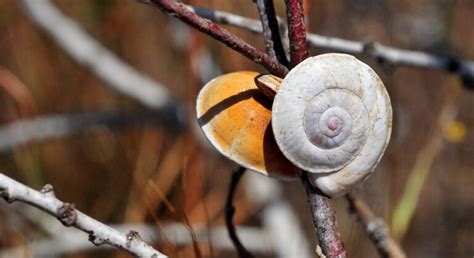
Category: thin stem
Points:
column 322, row 211
column 206, row 26
column 229, row 214
column 271, row 32
column 324, row 219
column 296, row 31
column 376, row 228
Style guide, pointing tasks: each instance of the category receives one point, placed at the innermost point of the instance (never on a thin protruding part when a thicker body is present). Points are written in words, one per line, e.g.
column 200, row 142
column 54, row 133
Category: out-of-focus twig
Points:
column 384, row 54
column 296, row 31
column 18, row 92
column 56, row 126
column 102, row 62
column 271, row 31
column 229, row 214
column 99, row 233
column 206, row 26
column 376, row 228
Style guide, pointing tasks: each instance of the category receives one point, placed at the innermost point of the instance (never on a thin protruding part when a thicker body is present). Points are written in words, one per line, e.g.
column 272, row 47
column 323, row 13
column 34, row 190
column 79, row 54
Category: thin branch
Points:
column 296, row 31
column 376, row 228
column 229, row 214
column 384, row 54
column 324, row 218
column 85, row 50
column 206, row 26
column 43, row 128
column 271, row 32
column 99, row 233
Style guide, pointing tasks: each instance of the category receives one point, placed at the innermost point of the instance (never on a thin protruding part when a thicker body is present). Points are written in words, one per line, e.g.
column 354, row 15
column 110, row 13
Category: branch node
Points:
column 97, row 241
column 48, row 190
column 377, row 229
column 5, row 194
column 369, row 48
column 67, row 214
column 132, row 236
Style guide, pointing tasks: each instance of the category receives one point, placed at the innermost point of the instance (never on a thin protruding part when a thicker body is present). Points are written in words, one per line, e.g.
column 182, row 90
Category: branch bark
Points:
column 323, row 213
column 99, row 233
column 324, row 218
column 296, row 31
column 271, row 32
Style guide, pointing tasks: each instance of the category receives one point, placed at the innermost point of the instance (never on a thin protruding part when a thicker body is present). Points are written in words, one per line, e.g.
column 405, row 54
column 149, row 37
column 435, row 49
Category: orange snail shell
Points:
column 235, row 116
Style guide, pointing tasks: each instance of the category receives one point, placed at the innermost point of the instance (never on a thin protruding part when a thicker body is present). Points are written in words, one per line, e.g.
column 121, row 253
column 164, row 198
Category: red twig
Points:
column 323, row 214
column 296, row 31
column 324, row 218
column 206, row 26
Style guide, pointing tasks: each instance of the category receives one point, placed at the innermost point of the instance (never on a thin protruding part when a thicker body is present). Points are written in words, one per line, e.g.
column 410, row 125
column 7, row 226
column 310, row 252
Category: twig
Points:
column 296, row 31
column 271, row 32
column 384, row 54
column 103, row 63
column 229, row 214
column 206, row 26
column 323, row 213
column 376, row 228
column 99, row 233
column 324, row 218
column 56, row 126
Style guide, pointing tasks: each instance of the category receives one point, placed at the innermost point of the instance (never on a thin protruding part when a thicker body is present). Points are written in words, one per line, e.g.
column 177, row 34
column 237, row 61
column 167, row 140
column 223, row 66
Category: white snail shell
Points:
column 332, row 117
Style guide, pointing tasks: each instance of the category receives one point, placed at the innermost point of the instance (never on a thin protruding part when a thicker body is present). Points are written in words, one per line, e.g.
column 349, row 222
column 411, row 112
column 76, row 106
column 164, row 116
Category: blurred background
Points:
column 137, row 169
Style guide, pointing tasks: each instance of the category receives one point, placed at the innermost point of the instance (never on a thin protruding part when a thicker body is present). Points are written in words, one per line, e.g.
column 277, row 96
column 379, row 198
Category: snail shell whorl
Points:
column 332, row 117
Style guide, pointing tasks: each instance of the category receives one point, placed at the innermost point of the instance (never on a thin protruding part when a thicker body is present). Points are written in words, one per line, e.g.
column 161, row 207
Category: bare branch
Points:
column 229, row 214
column 182, row 12
column 324, row 218
column 296, row 31
column 376, row 228
column 99, row 233
column 382, row 53
column 323, row 213
column 271, row 31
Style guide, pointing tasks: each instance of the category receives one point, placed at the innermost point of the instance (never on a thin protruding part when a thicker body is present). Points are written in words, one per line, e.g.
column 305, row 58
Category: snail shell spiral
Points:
column 332, row 117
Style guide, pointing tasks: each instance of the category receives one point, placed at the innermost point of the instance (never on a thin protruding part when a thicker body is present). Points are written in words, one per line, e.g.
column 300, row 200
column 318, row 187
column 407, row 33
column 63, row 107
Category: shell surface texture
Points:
column 332, row 117
column 235, row 116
